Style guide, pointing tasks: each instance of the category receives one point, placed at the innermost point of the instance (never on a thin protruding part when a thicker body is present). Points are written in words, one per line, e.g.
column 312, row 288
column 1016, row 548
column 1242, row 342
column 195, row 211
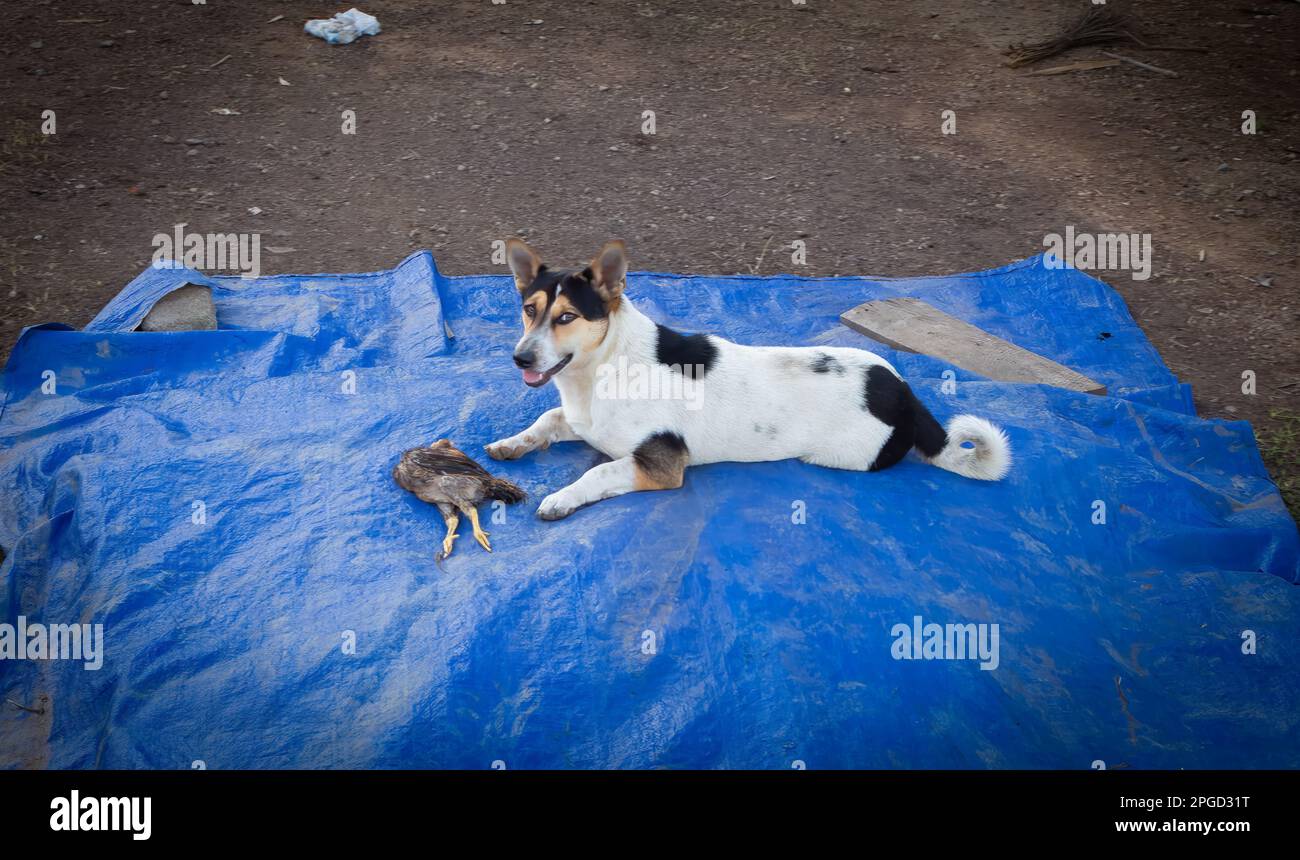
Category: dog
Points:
column 830, row 406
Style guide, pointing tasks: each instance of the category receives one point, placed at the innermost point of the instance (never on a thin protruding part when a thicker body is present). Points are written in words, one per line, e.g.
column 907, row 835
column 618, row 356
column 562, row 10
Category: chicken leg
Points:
column 453, row 520
column 479, row 535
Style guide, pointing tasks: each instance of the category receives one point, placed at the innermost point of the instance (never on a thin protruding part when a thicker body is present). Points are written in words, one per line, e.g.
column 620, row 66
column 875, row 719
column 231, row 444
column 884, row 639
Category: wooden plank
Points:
column 913, row 326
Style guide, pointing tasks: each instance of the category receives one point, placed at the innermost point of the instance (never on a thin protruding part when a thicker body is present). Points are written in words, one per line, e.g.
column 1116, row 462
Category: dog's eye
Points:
column 530, row 311
column 565, row 319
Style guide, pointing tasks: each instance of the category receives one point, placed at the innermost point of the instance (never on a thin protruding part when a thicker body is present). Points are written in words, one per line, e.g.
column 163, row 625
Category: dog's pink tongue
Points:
column 532, row 376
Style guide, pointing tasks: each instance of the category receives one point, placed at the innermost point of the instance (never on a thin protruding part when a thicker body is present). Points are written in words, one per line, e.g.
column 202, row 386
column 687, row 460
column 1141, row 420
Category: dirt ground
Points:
column 775, row 121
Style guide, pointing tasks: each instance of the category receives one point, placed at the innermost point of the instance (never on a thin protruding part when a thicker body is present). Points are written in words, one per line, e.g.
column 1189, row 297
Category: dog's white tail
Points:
column 975, row 448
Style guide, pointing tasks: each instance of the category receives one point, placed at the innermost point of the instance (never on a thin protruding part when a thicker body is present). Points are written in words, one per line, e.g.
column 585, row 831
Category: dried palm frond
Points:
column 1099, row 25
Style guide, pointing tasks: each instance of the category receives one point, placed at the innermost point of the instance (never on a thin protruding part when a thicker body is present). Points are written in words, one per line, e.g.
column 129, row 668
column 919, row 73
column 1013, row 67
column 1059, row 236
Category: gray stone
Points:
column 189, row 308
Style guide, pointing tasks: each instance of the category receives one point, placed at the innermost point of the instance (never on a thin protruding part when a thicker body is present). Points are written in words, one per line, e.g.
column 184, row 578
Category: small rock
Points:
column 107, row 43
column 1224, row 168
column 189, row 308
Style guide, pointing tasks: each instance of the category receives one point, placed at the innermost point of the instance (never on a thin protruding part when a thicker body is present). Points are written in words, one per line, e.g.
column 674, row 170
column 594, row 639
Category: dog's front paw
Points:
column 509, row 449
column 556, row 506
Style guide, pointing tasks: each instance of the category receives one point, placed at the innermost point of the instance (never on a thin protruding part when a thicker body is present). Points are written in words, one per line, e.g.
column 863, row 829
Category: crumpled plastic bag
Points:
column 344, row 27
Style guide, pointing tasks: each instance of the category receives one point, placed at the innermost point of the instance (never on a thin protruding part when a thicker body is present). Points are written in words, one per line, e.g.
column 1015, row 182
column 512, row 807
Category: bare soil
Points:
column 775, row 121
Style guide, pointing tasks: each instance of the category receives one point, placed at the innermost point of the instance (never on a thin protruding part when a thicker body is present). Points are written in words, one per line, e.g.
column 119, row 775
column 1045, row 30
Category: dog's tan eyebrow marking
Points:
column 547, row 286
column 539, row 308
column 561, row 306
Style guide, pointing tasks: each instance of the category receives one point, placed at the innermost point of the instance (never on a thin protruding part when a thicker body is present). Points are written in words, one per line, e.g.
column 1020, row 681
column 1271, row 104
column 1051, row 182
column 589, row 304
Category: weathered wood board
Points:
column 913, row 326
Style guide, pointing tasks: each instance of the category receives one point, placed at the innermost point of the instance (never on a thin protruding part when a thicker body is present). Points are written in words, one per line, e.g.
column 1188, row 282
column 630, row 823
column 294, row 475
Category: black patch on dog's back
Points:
column 891, row 400
column 824, row 363
column 692, row 354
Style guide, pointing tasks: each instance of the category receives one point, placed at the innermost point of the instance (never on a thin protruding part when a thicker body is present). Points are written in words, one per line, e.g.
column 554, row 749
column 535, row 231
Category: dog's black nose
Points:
column 525, row 359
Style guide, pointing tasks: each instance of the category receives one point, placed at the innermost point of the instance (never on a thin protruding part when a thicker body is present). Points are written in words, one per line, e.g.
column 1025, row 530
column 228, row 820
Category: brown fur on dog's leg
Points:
column 661, row 462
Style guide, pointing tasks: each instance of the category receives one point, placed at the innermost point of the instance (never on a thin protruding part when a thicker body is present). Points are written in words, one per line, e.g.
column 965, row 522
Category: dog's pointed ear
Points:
column 523, row 261
column 609, row 269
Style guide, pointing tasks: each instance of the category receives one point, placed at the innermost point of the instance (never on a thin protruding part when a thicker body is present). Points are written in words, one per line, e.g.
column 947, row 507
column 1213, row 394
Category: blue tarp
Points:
column 703, row 627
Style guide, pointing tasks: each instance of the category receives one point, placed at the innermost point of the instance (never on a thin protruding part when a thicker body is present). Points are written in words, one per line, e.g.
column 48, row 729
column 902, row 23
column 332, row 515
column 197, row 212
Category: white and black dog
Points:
column 708, row 400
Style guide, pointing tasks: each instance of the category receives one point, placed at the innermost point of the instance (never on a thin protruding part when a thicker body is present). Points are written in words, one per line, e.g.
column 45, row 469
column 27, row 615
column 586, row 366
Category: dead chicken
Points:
column 445, row 476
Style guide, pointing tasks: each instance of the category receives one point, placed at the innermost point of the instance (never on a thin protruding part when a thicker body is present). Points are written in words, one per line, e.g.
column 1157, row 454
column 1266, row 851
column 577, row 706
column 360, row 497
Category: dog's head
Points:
column 566, row 312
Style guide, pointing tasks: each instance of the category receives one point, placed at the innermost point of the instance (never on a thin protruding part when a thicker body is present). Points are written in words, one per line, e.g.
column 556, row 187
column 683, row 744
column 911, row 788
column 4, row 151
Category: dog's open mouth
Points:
column 537, row 380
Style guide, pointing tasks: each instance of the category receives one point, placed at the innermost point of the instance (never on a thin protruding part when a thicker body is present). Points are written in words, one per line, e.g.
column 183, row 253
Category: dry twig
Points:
column 1099, row 25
